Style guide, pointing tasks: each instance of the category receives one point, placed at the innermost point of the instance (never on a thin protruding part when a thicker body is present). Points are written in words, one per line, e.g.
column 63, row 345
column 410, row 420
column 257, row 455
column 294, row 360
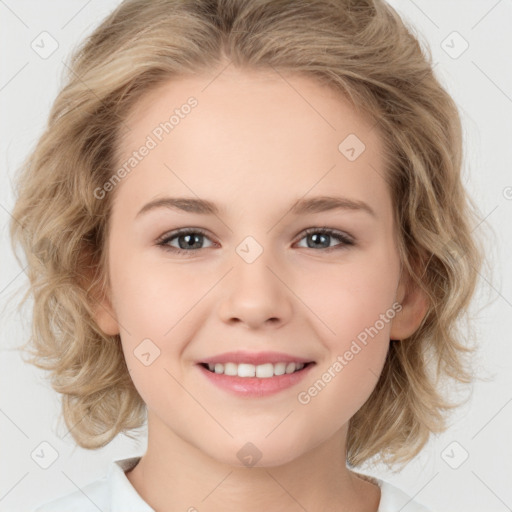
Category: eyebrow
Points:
column 300, row 207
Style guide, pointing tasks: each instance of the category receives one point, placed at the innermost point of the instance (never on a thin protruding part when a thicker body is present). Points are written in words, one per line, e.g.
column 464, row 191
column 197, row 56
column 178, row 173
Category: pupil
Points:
column 190, row 240
column 315, row 237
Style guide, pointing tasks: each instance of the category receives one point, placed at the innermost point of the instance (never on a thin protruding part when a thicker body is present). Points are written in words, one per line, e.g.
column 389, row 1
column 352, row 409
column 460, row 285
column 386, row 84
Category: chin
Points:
column 259, row 453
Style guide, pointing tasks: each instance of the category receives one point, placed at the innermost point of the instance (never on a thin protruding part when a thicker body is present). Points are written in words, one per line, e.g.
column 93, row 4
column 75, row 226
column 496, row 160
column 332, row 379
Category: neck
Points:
column 175, row 476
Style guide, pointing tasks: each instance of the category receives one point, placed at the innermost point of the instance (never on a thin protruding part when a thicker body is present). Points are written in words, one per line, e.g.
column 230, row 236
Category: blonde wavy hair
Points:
column 361, row 48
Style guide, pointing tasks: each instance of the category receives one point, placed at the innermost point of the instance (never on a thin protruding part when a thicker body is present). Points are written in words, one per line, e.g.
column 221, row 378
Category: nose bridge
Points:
column 255, row 269
column 255, row 290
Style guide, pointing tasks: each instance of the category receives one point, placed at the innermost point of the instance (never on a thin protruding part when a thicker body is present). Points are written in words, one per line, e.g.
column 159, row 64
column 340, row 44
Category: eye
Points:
column 188, row 239
column 319, row 238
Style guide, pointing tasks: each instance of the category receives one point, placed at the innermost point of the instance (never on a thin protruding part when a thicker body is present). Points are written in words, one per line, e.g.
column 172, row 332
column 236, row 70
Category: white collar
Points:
column 124, row 497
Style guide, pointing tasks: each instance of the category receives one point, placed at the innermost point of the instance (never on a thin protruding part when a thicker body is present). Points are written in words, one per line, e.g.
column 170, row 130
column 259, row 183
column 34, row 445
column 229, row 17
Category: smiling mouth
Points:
column 263, row 371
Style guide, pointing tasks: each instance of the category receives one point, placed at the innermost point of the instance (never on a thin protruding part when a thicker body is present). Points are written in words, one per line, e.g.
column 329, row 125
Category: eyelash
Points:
column 163, row 241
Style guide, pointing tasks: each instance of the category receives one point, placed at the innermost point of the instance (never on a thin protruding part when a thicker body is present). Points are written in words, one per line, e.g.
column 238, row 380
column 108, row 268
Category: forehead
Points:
column 250, row 96
column 250, row 130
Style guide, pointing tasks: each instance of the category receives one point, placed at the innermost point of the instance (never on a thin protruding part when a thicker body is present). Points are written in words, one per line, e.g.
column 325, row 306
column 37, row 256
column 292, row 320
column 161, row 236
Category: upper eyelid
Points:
column 181, row 231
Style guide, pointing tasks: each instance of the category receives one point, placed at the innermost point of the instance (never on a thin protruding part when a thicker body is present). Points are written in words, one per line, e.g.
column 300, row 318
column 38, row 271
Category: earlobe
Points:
column 105, row 317
column 415, row 305
column 97, row 294
column 99, row 301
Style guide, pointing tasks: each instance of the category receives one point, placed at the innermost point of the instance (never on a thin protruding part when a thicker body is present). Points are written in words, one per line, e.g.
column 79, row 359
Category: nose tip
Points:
column 255, row 296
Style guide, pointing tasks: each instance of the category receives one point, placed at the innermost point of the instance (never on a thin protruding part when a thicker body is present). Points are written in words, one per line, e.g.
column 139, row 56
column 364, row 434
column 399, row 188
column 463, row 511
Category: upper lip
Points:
column 255, row 358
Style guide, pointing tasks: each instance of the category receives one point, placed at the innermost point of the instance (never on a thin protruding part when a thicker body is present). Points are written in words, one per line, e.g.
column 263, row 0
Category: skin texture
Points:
column 254, row 144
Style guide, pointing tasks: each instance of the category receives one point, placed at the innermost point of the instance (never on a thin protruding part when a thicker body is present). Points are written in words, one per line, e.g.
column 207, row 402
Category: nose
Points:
column 256, row 294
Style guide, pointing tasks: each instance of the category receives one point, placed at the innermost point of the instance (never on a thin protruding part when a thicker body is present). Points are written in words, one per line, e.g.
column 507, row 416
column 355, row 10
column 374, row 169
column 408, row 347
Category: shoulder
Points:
column 112, row 493
column 91, row 498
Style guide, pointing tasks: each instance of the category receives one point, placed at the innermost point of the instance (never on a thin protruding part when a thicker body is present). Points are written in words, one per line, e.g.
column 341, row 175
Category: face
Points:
column 257, row 275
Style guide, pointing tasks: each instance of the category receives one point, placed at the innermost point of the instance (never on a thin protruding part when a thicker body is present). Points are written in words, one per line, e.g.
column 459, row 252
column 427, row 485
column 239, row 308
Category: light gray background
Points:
column 480, row 80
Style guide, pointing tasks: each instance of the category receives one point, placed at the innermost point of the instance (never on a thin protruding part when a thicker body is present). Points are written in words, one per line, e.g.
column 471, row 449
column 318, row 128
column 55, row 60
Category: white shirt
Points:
column 115, row 493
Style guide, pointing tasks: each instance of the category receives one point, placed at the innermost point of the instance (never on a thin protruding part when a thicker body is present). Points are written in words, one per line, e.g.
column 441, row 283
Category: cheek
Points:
column 350, row 298
column 152, row 299
column 354, row 304
column 153, row 307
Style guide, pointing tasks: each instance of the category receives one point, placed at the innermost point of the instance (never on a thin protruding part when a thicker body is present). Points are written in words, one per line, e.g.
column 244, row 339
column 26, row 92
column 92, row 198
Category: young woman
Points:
column 245, row 224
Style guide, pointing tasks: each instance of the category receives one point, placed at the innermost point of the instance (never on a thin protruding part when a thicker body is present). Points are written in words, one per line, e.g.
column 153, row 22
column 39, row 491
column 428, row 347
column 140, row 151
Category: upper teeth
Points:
column 250, row 370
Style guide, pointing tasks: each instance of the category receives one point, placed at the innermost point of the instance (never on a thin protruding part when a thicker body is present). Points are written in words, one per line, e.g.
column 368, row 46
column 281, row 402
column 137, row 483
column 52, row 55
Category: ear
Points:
column 414, row 303
column 99, row 297
column 105, row 315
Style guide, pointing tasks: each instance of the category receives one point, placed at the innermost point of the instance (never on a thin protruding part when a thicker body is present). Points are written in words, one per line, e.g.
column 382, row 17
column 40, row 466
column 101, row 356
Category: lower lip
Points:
column 254, row 386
